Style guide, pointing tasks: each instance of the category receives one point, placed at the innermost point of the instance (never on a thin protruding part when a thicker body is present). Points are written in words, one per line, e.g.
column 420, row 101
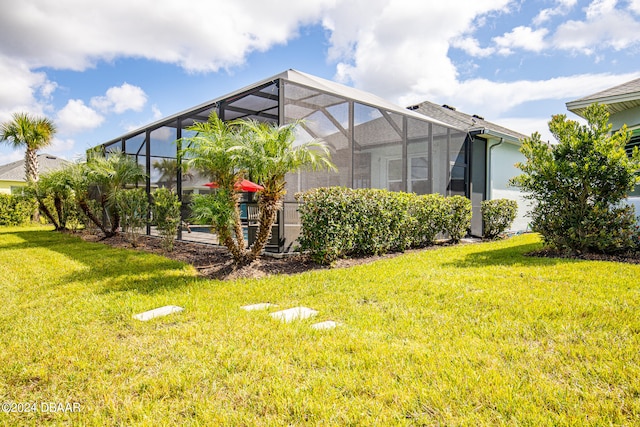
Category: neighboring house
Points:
column 374, row 144
column 12, row 175
column 623, row 104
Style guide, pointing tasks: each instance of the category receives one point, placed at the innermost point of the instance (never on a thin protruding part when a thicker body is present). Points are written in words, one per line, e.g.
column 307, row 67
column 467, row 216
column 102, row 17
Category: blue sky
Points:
column 101, row 70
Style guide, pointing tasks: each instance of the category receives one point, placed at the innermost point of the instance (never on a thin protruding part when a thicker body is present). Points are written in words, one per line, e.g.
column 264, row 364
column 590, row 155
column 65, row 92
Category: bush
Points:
column 133, row 206
column 497, row 216
column 15, row 209
column 339, row 222
column 578, row 185
column 328, row 223
column 427, row 219
column 457, row 220
column 166, row 215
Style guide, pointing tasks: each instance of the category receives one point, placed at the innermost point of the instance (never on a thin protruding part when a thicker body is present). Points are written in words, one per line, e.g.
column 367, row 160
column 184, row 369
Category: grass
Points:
column 469, row 335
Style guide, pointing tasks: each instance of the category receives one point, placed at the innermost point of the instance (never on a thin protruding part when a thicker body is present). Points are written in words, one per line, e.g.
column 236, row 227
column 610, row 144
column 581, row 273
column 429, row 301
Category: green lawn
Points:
column 468, row 335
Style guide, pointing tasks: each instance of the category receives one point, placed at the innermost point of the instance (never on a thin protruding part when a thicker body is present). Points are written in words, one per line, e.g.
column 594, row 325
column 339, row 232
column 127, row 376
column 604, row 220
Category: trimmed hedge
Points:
column 497, row 216
column 339, row 222
column 16, row 210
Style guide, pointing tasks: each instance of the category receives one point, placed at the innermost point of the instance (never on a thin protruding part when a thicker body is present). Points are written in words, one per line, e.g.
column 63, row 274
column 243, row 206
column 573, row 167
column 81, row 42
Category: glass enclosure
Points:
column 372, row 145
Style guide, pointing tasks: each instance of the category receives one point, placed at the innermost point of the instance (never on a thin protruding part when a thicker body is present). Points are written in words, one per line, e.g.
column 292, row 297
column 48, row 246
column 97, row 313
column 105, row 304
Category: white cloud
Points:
column 200, row 36
column 493, row 99
column 77, row 117
column 605, row 26
column 598, row 8
column 59, row 145
column 21, row 87
column 562, row 8
column 634, row 6
column 521, row 37
column 120, row 99
column 388, row 47
column 471, row 47
column 157, row 114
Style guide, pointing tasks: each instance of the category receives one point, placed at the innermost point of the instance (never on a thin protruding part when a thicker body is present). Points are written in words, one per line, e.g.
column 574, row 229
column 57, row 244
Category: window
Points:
column 17, row 190
column 394, row 174
column 419, row 175
column 458, row 165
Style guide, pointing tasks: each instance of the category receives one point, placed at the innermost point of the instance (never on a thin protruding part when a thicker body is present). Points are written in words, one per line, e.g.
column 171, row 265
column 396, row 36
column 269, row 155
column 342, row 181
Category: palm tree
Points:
column 168, row 169
column 80, row 183
column 213, row 151
column 56, row 185
column 32, row 133
column 269, row 154
column 112, row 175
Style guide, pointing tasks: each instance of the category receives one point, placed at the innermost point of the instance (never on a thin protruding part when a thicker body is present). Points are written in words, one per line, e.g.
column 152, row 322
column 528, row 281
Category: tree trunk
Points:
column 87, row 211
column 31, row 174
column 48, row 214
column 237, row 222
column 57, row 203
column 269, row 207
column 237, row 250
column 115, row 223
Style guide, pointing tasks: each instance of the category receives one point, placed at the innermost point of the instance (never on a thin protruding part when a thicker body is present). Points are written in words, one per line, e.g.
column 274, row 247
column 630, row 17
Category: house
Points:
column 374, row 144
column 12, row 175
column 623, row 105
column 494, row 151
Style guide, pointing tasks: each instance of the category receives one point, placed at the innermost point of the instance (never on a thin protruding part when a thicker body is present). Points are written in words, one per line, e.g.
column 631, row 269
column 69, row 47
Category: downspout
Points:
column 489, row 157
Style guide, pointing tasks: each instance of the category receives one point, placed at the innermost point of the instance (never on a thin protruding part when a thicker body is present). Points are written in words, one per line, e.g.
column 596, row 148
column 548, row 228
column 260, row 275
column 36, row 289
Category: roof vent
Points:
column 413, row 107
column 478, row 117
column 449, row 107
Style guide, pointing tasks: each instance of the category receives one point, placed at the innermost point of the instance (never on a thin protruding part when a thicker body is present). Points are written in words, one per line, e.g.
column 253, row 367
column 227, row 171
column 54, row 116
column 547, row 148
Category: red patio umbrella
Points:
column 244, row 185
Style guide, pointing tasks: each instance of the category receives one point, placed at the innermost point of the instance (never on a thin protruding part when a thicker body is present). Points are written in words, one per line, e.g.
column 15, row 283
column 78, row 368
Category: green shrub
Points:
column 16, row 209
column 339, row 222
column 380, row 221
column 457, row 220
column 133, row 206
column 328, row 220
column 497, row 216
column 579, row 184
column 166, row 215
column 427, row 219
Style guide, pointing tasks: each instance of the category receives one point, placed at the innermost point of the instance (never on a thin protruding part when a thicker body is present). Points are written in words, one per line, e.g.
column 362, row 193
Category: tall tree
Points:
column 31, row 133
column 268, row 152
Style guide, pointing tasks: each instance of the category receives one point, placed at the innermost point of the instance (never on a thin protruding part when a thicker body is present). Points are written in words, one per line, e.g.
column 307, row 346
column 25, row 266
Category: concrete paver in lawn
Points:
column 259, row 306
column 294, row 313
column 158, row 312
column 329, row 324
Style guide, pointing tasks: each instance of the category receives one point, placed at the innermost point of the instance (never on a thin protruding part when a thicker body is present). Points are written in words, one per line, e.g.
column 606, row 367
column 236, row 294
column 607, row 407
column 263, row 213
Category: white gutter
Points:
column 489, row 157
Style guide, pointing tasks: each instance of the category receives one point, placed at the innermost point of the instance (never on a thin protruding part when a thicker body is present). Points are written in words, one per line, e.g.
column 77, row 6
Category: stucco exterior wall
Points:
column 5, row 186
column 501, row 160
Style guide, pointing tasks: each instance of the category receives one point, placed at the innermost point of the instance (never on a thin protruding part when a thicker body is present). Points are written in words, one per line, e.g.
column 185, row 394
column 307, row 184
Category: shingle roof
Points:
column 14, row 171
column 618, row 98
column 465, row 121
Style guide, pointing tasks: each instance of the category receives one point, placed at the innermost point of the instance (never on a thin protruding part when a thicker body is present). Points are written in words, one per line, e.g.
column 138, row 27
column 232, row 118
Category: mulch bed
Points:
column 215, row 262
column 627, row 257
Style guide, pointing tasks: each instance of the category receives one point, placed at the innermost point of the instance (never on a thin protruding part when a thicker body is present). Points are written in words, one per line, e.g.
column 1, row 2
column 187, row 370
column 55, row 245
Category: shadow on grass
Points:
column 509, row 256
column 116, row 269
